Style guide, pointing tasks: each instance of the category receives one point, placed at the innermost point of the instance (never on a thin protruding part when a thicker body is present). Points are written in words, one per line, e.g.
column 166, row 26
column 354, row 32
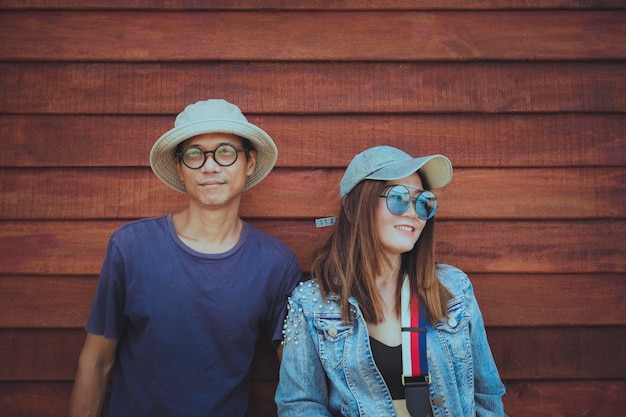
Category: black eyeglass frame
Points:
column 431, row 196
column 181, row 155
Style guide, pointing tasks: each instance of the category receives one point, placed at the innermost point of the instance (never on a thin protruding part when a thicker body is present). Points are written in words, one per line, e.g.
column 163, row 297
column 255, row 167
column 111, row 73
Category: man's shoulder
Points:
column 140, row 228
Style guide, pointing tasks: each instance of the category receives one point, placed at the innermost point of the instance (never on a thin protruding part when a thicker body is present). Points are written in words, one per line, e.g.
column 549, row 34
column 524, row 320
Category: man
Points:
column 182, row 299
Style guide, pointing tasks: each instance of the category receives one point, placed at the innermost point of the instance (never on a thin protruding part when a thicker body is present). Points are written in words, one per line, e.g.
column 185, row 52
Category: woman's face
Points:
column 399, row 233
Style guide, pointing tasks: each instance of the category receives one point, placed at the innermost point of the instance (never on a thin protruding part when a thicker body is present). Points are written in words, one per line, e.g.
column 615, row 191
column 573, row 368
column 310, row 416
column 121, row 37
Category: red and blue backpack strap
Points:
column 415, row 375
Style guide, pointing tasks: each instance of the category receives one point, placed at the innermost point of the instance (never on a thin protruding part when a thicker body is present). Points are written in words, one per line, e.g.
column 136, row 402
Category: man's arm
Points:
column 94, row 368
column 279, row 353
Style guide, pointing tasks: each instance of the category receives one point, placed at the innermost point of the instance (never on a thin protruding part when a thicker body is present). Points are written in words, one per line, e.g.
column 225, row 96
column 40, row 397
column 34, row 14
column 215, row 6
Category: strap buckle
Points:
column 417, row 394
column 420, row 381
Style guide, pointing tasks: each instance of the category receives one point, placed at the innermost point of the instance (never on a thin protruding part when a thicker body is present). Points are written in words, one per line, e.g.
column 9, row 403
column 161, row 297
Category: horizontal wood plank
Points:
column 305, row 36
column 374, row 5
column 565, row 398
column 517, row 300
column 126, row 193
column 77, row 247
column 533, row 247
column 35, row 398
column 314, row 87
column 39, row 355
column 596, row 398
column 330, row 141
column 46, row 302
column 567, row 353
column 559, row 352
column 506, row 300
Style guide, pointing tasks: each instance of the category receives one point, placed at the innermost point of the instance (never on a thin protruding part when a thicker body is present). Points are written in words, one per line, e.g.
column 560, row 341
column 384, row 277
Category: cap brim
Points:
column 436, row 169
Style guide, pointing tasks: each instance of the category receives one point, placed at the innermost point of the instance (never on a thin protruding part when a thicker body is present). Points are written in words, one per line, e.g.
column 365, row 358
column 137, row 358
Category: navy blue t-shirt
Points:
column 187, row 322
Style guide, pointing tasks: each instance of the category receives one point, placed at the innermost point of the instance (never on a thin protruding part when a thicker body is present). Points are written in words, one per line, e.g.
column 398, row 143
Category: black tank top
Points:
column 388, row 359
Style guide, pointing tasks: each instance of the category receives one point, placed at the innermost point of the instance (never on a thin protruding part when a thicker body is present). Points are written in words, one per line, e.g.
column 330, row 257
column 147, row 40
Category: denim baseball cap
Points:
column 386, row 163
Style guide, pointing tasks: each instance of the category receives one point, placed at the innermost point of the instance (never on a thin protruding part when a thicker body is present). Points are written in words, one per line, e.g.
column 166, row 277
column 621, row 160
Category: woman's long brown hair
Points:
column 348, row 260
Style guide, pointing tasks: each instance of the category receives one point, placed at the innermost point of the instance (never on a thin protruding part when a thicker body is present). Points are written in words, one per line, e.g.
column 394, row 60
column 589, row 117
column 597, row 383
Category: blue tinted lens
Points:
column 426, row 205
column 398, row 200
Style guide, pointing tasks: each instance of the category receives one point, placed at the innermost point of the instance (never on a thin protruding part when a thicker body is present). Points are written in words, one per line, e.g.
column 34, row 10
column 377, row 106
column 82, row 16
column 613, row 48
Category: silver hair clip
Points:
column 324, row 222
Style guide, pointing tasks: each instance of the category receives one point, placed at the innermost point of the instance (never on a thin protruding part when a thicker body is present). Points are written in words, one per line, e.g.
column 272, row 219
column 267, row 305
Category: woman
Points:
column 346, row 329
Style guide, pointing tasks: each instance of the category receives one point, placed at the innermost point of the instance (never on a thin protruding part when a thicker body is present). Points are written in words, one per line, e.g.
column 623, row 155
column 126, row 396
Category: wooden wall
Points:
column 526, row 97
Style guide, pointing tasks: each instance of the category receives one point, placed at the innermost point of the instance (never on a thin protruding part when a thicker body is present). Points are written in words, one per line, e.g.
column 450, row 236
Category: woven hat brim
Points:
column 163, row 161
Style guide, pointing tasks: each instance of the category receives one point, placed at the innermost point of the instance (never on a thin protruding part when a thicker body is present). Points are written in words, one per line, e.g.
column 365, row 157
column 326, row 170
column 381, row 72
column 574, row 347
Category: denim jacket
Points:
column 328, row 369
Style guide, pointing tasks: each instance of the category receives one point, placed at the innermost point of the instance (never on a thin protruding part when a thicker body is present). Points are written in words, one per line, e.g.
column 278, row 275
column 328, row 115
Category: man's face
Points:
column 214, row 185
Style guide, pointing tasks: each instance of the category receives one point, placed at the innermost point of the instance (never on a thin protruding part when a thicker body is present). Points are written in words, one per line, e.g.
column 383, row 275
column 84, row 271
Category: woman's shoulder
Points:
column 454, row 279
column 309, row 295
column 308, row 292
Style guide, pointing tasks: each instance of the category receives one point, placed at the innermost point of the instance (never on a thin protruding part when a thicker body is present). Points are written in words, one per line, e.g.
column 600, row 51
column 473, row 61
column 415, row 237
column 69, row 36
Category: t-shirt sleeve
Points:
column 291, row 278
column 107, row 311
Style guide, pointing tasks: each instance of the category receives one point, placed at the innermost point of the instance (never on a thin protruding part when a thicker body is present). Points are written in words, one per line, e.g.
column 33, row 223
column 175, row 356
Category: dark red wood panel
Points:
column 35, row 399
column 550, row 300
column 46, row 302
column 315, row 87
column 525, row 97
column 322, row 35
column 558, row 352
column 566, row 398
column 330, row 141
column 39, row 354
column 374, row 5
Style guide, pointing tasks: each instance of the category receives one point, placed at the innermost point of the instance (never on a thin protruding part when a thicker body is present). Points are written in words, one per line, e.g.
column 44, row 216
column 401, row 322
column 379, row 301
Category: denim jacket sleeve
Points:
column 302, row 383
column 488, row 388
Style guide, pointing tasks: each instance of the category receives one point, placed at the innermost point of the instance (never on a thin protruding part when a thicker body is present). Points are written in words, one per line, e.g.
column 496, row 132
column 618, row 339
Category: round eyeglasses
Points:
column 194, row 158
column 399, row 199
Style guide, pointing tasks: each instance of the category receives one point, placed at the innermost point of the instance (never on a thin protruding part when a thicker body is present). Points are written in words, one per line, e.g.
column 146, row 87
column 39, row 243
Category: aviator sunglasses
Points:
column 399, row 199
